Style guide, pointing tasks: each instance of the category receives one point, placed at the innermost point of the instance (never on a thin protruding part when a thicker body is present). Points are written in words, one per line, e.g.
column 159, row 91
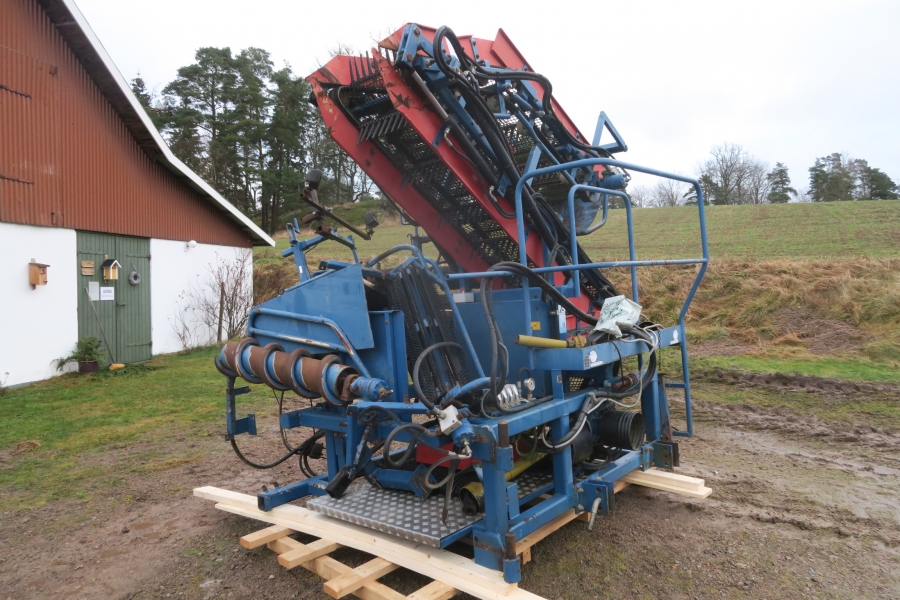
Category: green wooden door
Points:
column 133, row 301
column 122, row 309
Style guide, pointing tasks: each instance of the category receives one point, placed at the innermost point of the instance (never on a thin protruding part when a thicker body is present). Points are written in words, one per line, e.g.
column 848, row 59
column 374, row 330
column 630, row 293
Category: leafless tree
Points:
column 733, row 176
column 640, row 196
column 803, row 195
column 668, row 192
column 758, row 183
column 226, row 294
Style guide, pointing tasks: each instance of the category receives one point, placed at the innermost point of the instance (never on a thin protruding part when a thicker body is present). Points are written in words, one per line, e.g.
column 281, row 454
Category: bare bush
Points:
column 640, row 196
column 224, row 298
column 668, row 192
column 733, row 176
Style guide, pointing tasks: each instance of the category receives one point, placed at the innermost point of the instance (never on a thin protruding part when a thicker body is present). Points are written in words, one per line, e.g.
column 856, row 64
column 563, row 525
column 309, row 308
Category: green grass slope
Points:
column 793, row 231
column 833, row 230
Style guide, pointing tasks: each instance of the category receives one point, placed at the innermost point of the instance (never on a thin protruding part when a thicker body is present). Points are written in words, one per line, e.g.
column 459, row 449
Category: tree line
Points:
column 733, row 176
column 249, row 130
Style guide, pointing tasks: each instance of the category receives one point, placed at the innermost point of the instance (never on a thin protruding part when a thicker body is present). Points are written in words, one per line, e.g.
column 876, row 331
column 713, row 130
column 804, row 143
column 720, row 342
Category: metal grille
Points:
column 404, row 515
column 398, row 513
column 424, row 170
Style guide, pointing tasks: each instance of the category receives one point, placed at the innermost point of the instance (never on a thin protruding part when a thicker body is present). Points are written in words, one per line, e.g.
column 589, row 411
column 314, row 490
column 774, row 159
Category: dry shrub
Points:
column 791, row 339
column 744, row 297
column 271, row 278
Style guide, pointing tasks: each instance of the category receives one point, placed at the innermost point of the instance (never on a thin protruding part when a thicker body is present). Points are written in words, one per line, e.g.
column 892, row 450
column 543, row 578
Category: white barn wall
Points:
column 40, row 325
column 173, row 271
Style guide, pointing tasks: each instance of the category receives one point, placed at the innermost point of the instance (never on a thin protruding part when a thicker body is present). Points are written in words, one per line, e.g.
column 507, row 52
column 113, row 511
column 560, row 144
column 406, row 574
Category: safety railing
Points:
column 633, row 263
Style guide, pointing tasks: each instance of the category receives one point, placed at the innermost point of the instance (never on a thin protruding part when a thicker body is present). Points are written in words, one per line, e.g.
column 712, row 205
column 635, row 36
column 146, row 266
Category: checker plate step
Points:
column 404, row 515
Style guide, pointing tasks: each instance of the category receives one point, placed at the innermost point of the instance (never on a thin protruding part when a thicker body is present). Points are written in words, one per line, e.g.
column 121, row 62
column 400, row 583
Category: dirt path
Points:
column 799, row 510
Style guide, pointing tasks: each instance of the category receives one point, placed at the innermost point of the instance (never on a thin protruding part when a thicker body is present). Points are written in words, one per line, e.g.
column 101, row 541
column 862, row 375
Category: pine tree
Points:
column 831, row 179
column 882, row 186
column 780, row 189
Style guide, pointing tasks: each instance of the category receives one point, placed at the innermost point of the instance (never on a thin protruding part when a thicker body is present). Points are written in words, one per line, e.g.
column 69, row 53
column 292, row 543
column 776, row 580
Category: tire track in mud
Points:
column 775, row 467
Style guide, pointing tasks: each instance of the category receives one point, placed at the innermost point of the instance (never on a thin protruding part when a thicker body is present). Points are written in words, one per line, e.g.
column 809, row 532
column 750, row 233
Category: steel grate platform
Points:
column 404, row 515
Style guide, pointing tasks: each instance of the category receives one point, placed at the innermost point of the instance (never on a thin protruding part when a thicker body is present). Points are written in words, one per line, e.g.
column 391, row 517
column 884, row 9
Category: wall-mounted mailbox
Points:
column 37, row 274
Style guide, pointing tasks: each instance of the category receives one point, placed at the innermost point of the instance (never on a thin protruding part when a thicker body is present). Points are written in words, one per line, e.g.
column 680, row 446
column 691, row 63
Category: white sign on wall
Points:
column 107, row 293
column 94, row 290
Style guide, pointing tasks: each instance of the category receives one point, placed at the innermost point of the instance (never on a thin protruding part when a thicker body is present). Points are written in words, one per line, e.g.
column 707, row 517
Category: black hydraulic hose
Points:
column 367, row 417
column 568, row 438
column 485, row 74
column 557, row 235
column 487, row 307
column 418, row 430
column 298, row 450
column 449, row 122
column 546, row 286
column 484, row 118
column 418, row 365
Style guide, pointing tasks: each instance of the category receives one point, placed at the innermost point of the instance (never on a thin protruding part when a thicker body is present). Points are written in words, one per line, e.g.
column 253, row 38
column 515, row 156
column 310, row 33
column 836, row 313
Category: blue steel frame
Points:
column 507, row 518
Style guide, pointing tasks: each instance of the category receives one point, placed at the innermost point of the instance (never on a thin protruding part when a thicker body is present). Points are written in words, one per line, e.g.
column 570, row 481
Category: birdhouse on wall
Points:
column 110, row 268
column 37, row 274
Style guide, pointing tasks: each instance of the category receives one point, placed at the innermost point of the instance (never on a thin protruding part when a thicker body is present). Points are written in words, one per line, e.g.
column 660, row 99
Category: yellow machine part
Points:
column 472, row 495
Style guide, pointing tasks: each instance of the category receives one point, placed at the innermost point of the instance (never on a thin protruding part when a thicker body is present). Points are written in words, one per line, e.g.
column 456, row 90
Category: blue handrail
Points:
column 633, row 263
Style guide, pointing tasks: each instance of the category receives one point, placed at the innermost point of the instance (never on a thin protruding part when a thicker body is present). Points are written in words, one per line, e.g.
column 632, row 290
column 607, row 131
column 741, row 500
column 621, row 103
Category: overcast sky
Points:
column 789, row 81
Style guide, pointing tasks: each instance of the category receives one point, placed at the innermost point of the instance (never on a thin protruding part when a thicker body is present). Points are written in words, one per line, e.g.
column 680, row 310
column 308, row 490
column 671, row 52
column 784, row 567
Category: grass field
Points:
column 834, row 230
column 53, row 433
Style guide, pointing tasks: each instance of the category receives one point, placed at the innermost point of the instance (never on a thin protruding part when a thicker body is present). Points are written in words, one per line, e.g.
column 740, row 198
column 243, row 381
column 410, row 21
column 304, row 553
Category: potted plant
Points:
column 87, row 354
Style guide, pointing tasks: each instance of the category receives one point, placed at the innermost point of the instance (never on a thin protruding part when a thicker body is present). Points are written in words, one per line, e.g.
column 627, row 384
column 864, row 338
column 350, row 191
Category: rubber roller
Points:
column 297, row 371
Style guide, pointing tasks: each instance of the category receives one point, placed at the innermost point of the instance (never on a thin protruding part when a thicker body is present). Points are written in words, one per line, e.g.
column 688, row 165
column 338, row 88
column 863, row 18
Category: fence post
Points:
column 221, row 311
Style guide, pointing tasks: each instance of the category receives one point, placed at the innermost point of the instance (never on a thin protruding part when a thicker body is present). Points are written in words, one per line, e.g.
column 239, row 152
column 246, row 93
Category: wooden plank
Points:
column 264, row 536
column 533, row 538
column 654, row 477
column 457, row 571
column 435, row 590
column 664, row 485
column 358, row 577
column 306, row 553
column 329, row 568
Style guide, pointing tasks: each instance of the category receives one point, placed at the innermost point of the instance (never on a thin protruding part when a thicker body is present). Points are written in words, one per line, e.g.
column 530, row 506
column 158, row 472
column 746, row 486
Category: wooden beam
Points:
column 457, row 571
column 358, row 577
column 525, row 557
column 669, row 482
column 306, row 553
column 264, row 536
column 435, row 590
column 533, row 538
column 329, row 568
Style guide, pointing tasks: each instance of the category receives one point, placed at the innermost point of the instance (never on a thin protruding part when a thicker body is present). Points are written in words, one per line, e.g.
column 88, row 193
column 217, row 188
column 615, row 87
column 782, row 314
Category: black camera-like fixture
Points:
column 370, row 221
column 313, row 179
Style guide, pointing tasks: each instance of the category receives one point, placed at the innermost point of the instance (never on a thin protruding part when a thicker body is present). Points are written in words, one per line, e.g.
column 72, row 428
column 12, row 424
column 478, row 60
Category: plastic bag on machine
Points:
column 617, row 312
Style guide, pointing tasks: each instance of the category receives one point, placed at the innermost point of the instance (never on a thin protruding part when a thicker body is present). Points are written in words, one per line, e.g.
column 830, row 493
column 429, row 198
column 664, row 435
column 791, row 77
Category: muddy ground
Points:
column 800, row 509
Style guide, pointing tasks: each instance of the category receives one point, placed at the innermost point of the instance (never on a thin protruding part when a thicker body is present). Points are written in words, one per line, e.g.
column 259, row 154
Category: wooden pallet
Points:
column 451, row 573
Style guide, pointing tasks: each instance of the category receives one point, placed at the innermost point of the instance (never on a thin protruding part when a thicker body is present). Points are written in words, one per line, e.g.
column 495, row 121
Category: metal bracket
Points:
column 666, row 455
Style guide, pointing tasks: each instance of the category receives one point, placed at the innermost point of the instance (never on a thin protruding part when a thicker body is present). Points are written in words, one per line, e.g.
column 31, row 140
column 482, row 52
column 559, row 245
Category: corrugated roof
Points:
column 84, row 43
